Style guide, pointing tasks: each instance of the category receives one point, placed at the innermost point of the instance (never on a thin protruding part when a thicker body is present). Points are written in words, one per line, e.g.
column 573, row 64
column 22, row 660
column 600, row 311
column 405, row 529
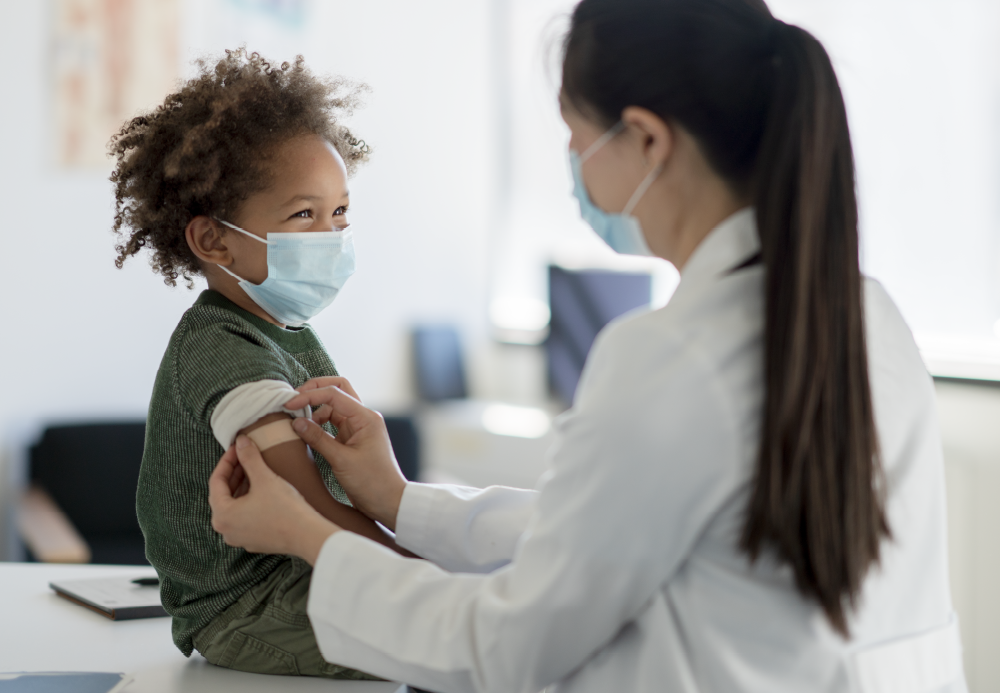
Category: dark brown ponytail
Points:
column 762, row 99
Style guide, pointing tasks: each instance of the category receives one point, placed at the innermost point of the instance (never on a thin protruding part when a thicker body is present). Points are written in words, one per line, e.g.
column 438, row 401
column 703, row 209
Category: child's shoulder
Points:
column 208, row 322
column 212, row 309
column 212, row 334
column 216, row 348
column 216, row 324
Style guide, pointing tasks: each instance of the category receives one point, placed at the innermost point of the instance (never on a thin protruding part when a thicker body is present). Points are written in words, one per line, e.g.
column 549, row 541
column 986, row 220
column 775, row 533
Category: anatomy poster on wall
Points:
column 111, row 59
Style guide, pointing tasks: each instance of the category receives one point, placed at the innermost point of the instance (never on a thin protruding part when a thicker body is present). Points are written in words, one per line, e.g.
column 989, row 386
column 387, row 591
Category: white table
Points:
column 42, row 632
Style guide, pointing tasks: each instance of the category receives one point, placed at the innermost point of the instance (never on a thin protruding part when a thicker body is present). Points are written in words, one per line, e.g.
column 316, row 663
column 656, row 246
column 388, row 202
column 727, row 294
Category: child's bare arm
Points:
column 292, row 461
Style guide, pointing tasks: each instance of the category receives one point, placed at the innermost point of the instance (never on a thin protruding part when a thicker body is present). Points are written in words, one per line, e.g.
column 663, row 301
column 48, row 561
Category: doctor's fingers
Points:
column 340, row 400
column 253, row 462
column 241, row 488
column 220, row 489
column 241, row 461
column 318, row 439
column 329, row 381
column 364, row 465
column 266, row 515
column 349, row 455
column 237, row 479
column 325, row 414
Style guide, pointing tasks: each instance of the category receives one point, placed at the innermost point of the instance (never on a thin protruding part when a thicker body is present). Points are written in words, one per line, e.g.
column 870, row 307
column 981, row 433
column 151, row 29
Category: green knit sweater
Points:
column 216, row 347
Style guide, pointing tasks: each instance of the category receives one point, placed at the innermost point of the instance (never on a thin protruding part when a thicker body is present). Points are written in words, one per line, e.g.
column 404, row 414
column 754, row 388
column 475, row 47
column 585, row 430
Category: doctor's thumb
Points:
column 318, row 439
column 250, row 459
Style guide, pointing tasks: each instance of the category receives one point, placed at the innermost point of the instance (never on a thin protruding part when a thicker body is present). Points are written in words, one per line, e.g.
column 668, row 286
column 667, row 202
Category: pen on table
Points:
column 147, row 581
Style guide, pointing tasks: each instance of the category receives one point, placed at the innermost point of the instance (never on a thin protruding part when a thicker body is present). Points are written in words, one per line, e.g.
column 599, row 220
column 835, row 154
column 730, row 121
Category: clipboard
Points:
column 117, row 598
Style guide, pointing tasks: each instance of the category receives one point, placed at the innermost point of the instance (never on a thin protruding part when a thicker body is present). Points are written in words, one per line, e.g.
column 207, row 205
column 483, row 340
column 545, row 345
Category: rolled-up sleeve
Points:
column 463, row 529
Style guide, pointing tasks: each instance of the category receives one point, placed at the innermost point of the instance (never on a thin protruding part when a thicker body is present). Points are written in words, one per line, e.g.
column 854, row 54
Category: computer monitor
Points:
column 438, row 362
column 582, row 302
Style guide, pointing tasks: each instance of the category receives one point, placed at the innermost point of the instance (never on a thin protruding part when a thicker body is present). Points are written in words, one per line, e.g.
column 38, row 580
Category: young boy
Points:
column 240, row 177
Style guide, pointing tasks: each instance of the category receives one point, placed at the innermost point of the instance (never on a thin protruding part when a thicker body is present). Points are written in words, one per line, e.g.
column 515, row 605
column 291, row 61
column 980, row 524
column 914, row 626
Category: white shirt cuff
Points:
column 463, row 529
column 413, row 516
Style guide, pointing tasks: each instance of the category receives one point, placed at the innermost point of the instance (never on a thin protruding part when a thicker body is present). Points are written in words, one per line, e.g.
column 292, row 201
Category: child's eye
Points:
column 340, row 211
column 304, row 214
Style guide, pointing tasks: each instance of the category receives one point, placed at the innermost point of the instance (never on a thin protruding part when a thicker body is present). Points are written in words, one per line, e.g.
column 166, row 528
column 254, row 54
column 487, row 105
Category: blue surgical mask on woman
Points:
column 621, row 231
column 305, row 272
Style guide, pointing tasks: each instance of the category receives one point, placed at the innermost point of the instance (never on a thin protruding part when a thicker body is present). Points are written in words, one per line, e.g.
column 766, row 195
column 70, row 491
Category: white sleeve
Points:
column 245, row 404
column 641, row 465
column 461, row 528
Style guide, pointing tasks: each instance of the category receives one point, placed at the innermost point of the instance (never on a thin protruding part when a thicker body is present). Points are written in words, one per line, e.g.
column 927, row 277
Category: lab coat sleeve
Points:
column 461, row 528
column 642, row 463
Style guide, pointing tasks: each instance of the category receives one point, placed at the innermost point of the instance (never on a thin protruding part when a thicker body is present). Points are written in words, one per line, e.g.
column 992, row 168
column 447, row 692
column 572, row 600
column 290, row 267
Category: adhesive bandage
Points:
column 274, row 433
column 246, row 404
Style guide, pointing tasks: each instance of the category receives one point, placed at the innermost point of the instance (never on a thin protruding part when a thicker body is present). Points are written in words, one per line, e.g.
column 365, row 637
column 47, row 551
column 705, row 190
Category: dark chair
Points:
column 83, row 482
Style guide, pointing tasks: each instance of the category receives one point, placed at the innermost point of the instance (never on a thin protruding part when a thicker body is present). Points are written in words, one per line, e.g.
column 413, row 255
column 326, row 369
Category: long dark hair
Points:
column 762, row 100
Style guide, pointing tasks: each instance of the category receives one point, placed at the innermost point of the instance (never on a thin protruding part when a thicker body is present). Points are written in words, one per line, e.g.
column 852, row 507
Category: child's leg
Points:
column 268, row 632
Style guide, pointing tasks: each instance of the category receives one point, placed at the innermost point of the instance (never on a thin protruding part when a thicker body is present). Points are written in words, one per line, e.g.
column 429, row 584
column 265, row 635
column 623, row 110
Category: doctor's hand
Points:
column 322, row 413
column 361, row 456
column 262, row 512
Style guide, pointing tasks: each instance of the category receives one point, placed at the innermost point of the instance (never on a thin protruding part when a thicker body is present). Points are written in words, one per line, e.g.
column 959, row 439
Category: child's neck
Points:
column 230, row 288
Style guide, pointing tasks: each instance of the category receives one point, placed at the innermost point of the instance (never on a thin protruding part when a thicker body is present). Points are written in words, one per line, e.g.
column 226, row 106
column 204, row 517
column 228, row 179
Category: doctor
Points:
column 748, row 492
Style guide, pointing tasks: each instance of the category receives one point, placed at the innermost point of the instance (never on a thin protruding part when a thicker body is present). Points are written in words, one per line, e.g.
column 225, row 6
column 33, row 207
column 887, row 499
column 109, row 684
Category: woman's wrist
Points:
column 388, row 506
column 311, row 537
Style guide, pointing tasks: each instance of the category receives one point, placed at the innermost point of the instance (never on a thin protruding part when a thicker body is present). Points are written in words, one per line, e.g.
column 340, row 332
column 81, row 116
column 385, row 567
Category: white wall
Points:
column 921, row 80
column 970, row 430
column 83, row 339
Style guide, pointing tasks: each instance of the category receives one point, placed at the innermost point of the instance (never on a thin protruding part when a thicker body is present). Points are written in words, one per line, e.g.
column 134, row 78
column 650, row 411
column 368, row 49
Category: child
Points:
column 241, row 177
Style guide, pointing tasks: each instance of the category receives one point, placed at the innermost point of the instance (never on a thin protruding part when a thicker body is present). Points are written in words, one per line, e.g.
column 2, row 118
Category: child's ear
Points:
column 204, row 238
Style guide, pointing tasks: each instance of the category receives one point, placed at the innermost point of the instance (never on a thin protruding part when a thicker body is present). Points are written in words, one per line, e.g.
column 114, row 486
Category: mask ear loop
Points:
column 641, row 190
column 245, row 232
column 600, row 141
column 231, row 274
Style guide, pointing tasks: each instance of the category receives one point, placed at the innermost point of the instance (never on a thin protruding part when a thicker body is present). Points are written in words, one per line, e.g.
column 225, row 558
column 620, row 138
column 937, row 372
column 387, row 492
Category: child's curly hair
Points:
column 205, row 149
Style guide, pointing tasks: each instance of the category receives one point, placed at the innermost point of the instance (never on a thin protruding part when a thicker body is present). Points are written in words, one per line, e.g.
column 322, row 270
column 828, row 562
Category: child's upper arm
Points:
column 291, row 461
column 233, row 384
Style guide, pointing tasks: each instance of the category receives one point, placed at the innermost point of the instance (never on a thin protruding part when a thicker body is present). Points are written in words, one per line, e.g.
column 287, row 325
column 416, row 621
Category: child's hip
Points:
column 267, row 631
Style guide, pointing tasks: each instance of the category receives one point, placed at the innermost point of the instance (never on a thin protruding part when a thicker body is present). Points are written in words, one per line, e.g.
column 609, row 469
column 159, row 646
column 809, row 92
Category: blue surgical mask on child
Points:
column 621, row 231
column 305, row 272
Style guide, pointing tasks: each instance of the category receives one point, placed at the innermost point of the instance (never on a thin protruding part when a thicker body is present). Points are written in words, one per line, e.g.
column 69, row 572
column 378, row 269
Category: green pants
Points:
column 268, row 632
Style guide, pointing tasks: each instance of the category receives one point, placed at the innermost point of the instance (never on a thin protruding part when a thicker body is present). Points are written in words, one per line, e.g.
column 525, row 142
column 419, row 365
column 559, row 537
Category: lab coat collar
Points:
column 732, row 242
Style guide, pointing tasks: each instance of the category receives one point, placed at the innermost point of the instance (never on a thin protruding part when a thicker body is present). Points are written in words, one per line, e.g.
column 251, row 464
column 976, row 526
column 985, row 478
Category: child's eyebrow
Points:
column 310, row 198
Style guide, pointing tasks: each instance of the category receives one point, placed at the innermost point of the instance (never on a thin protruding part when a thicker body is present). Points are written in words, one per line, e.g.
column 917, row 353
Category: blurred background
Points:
column 479, row 290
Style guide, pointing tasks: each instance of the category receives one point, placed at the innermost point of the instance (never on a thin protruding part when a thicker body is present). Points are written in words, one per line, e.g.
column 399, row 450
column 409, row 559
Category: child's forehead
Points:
column 305, row 149
column 307, row 166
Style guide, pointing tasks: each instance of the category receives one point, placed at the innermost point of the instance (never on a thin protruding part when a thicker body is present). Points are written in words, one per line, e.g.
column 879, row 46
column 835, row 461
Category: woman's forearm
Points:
column 365, row 464
column 353, row 520
column 309, row 538
column 292, row 462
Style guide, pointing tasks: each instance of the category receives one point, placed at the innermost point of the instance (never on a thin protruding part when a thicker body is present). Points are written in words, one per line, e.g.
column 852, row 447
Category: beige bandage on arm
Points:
column 274, row 433
column 247, row 404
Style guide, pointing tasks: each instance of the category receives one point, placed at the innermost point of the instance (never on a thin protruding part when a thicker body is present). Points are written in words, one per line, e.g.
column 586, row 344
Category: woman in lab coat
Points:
column 747, row 493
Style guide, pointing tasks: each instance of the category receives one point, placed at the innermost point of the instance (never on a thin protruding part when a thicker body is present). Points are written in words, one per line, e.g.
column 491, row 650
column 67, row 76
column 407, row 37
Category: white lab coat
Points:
column 622, row 573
